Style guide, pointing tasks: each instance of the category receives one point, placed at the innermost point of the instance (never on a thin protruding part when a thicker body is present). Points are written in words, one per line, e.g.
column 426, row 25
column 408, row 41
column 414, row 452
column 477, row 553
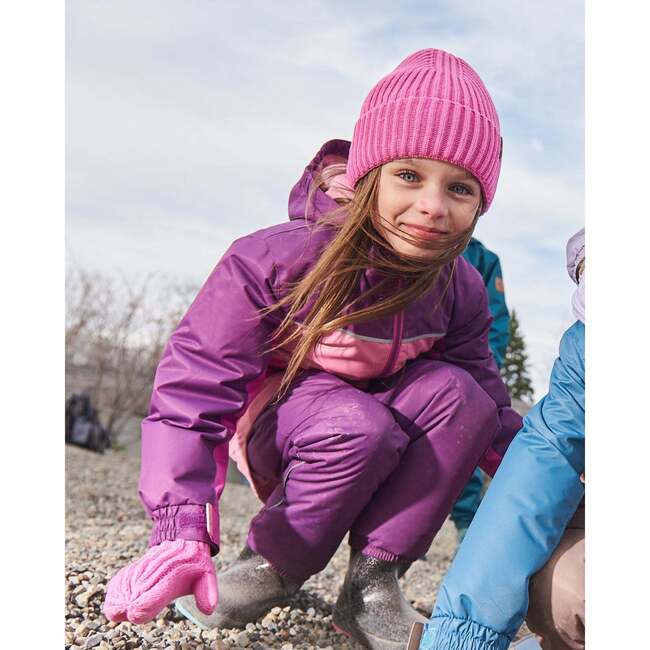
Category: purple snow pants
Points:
column 385, row 463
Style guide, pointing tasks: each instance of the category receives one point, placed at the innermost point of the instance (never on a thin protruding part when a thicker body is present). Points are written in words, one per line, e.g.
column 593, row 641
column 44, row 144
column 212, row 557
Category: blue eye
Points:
column 459, row 188
column 409, row 177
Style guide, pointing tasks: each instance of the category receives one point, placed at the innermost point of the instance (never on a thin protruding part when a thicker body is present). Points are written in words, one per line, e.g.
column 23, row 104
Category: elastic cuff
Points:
column 188, row 521
column 446, row 633
column 360, row 543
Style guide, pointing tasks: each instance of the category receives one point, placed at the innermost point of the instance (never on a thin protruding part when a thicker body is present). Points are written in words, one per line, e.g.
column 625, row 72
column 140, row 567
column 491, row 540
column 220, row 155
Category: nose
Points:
column 432, row 204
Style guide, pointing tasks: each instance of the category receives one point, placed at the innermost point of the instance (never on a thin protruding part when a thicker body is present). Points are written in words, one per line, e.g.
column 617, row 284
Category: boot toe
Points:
column 248, row 589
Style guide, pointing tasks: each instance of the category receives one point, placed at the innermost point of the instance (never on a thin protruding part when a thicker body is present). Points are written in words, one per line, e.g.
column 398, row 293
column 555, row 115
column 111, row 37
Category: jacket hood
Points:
column 333, row 151
column 575, row 253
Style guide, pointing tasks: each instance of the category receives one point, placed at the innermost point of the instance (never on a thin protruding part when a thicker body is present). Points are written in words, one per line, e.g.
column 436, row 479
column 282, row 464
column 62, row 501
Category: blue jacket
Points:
column 487, row 264
column 484, row 598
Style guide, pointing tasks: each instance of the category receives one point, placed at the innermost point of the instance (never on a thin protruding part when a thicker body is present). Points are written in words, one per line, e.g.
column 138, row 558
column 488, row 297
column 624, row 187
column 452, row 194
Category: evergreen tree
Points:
column 515, row 365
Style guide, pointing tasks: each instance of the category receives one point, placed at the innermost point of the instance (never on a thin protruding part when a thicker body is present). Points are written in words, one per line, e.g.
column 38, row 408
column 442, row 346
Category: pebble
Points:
column 93, row 641
column 83, row 598
column 81, row 629
column 242, row 639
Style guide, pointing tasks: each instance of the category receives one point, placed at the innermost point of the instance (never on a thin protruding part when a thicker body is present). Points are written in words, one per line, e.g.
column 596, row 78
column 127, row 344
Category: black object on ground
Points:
column 82, row 425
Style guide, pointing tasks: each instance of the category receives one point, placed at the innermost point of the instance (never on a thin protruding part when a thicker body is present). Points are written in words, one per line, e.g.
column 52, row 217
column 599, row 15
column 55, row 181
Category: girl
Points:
column 371, row 332
column 524, row 553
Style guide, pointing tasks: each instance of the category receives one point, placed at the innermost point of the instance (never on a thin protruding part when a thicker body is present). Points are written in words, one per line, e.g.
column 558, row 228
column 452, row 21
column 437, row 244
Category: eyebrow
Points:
column 470, row 177
column 416, row 161
column 409, row 161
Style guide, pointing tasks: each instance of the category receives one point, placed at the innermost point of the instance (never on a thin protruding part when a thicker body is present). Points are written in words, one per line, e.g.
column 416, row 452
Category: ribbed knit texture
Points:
column 142, row 589
column 433, row 105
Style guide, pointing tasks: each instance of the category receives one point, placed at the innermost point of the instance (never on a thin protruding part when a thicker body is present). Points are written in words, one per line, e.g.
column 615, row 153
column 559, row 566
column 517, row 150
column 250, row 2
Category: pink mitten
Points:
column 142, row 589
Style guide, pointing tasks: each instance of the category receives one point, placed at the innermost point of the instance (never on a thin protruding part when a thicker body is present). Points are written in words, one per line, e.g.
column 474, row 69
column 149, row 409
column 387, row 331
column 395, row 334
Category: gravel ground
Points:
column 106, row 528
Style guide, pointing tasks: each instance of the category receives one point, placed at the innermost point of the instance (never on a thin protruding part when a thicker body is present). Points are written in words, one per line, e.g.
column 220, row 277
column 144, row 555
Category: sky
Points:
column 187, row 123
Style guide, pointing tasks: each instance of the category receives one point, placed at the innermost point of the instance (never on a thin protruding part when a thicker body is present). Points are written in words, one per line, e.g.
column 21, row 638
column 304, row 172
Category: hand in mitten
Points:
column 142, row 589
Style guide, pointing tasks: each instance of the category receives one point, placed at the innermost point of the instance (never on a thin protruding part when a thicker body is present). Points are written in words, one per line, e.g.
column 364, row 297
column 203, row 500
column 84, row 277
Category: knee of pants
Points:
column 358, row 431
column 460, row 394
column 557, row 594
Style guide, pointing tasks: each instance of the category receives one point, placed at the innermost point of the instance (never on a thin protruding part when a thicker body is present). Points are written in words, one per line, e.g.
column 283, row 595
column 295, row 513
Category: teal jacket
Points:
column 487, row 264
column 484, row 598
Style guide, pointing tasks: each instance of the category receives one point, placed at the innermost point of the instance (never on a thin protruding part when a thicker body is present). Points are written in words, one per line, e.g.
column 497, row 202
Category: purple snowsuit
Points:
column 377, row 436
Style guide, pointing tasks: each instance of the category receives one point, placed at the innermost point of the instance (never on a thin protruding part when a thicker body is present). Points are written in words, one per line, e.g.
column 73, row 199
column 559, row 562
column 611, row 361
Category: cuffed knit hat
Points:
column 433, row 105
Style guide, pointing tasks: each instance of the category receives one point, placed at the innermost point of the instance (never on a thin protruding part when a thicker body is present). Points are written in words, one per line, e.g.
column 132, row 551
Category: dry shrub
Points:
column 116, row 330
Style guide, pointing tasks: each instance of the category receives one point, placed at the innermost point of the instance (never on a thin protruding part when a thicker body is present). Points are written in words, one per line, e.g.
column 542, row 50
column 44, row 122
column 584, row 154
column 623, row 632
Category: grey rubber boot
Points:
column 248, row 589
column 371, row 607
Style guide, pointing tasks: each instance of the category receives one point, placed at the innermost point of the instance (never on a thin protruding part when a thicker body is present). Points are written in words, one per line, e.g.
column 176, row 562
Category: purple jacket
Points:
column 215, row 363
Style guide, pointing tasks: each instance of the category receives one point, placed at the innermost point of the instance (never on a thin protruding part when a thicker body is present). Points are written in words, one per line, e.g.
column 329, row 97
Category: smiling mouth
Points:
column 422, row 232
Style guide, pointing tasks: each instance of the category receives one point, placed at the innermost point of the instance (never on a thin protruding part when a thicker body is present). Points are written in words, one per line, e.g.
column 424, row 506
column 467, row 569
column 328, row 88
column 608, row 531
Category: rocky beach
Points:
column 106, row 528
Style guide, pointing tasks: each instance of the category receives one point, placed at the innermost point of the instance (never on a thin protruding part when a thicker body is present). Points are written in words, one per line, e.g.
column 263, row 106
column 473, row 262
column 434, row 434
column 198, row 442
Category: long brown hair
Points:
column 334, row 279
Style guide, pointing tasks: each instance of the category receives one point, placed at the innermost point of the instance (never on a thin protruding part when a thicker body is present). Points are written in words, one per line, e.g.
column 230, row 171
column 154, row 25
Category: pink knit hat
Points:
column 433, row 105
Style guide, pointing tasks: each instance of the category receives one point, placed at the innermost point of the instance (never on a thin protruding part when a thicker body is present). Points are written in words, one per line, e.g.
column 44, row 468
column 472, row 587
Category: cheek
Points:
column 390, row 205
column 463, row 218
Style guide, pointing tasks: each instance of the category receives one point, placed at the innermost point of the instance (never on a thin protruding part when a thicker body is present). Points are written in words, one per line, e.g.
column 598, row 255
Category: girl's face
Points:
column 425, row 199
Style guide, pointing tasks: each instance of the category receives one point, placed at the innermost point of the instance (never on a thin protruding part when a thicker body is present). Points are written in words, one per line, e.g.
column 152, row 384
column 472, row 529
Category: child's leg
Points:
column 467, row 503
column 450, row 422
column 557, row 592
column 331, row 445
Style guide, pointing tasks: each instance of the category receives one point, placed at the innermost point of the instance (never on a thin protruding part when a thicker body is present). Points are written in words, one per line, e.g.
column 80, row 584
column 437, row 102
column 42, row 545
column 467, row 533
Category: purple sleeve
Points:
column 467, row 345
column 200, row 387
